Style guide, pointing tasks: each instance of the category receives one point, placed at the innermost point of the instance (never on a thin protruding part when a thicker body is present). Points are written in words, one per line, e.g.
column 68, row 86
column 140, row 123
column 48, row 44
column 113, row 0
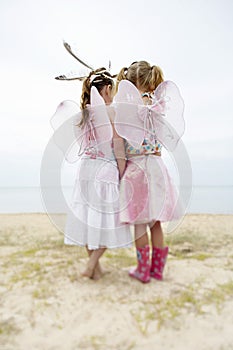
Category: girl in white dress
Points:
column 94, row 217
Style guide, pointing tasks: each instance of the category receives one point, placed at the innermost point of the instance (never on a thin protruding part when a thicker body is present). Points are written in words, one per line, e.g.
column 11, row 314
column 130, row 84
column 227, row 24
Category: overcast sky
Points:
column 190, row 40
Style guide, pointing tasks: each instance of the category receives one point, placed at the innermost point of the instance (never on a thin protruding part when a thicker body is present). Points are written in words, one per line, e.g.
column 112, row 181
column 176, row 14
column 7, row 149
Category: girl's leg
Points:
column 141, row 236
column 93, row 260
column 142, row 272
column 98, row 271
column 159, row 252
column 157, row 239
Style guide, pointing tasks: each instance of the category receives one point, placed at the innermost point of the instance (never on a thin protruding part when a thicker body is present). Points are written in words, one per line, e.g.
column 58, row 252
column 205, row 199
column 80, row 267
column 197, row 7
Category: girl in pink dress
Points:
column 147, row 109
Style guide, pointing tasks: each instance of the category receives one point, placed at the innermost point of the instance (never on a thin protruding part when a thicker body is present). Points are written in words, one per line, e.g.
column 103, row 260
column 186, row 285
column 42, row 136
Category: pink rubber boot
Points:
column 142, row 272
column 159, row 257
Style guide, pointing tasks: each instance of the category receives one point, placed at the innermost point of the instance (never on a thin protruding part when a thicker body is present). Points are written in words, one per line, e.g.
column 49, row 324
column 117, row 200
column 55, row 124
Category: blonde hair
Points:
column 98, row 78
column 142, row 75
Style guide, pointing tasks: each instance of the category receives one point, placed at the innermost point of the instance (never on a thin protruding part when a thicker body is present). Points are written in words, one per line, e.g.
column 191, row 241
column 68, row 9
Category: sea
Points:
column 204, row 199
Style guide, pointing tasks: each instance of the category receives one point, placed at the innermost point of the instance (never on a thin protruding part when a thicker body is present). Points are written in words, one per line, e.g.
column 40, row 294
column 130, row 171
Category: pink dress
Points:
column 147, row 191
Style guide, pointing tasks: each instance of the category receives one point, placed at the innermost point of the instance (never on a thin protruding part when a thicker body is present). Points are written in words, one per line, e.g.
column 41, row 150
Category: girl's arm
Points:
column 119, row 151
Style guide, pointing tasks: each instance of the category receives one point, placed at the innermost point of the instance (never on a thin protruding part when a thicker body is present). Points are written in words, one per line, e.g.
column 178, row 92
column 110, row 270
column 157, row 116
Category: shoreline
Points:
column 203, row 200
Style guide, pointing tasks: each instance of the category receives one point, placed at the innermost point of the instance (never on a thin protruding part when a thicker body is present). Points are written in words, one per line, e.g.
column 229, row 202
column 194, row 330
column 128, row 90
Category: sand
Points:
column 47, row 305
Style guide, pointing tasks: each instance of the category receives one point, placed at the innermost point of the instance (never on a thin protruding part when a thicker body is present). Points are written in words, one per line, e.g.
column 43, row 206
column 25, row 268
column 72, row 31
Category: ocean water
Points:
column 212, row 200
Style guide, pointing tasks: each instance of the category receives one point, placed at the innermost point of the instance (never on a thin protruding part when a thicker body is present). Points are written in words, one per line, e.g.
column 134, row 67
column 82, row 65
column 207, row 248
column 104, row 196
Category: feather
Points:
column 64, row 77
column 68, row 48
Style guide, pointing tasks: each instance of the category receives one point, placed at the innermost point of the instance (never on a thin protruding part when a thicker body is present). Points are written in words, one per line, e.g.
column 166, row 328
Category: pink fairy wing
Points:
column 127, row 92
column 128, row 103
column 70, row 138
column 168, row 109
column 99, row 117
column 64, row 111
column 163, row 120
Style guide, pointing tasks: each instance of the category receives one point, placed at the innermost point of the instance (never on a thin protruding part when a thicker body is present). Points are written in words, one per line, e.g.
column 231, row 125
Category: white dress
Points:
column 93, row 220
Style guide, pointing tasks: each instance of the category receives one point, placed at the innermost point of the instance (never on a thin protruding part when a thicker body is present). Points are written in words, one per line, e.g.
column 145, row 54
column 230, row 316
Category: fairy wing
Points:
column 99, row 118
column 68, row 136
column 163, row 120
column 127, row 122
column 64, row 111
column 73, row 139
column 167, row 112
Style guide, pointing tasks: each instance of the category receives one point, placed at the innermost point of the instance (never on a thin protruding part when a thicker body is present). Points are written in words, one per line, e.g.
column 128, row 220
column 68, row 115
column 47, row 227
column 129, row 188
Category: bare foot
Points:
column 88, row 272
column 104, row 272
column 97, row 275
column 99, row 272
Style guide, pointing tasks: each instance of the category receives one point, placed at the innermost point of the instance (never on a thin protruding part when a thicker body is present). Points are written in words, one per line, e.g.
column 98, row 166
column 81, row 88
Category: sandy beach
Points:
column 47, row 305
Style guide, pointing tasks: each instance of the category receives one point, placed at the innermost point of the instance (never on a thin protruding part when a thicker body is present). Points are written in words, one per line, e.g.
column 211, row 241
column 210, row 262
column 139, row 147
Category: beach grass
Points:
column 42, row 285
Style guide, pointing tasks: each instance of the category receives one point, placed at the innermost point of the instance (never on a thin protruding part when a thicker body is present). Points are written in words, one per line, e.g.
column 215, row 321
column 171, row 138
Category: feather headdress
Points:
column 80, row 78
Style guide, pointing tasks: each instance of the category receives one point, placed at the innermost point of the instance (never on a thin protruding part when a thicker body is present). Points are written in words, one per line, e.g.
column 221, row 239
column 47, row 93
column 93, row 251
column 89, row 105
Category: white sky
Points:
column 190, row 40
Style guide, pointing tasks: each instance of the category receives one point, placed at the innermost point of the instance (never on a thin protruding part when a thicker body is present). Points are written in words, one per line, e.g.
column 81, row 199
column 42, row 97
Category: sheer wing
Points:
column 74, row 139
column 127, row 104
column 163, row 120
column 70, row 138
column 168, row 109
column 99, row 117
column 65, row 110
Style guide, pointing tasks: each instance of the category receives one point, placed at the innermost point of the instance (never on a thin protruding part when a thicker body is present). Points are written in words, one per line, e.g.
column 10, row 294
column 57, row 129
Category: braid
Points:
column 98, row 78
column 85, row 96
column 85, row 100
